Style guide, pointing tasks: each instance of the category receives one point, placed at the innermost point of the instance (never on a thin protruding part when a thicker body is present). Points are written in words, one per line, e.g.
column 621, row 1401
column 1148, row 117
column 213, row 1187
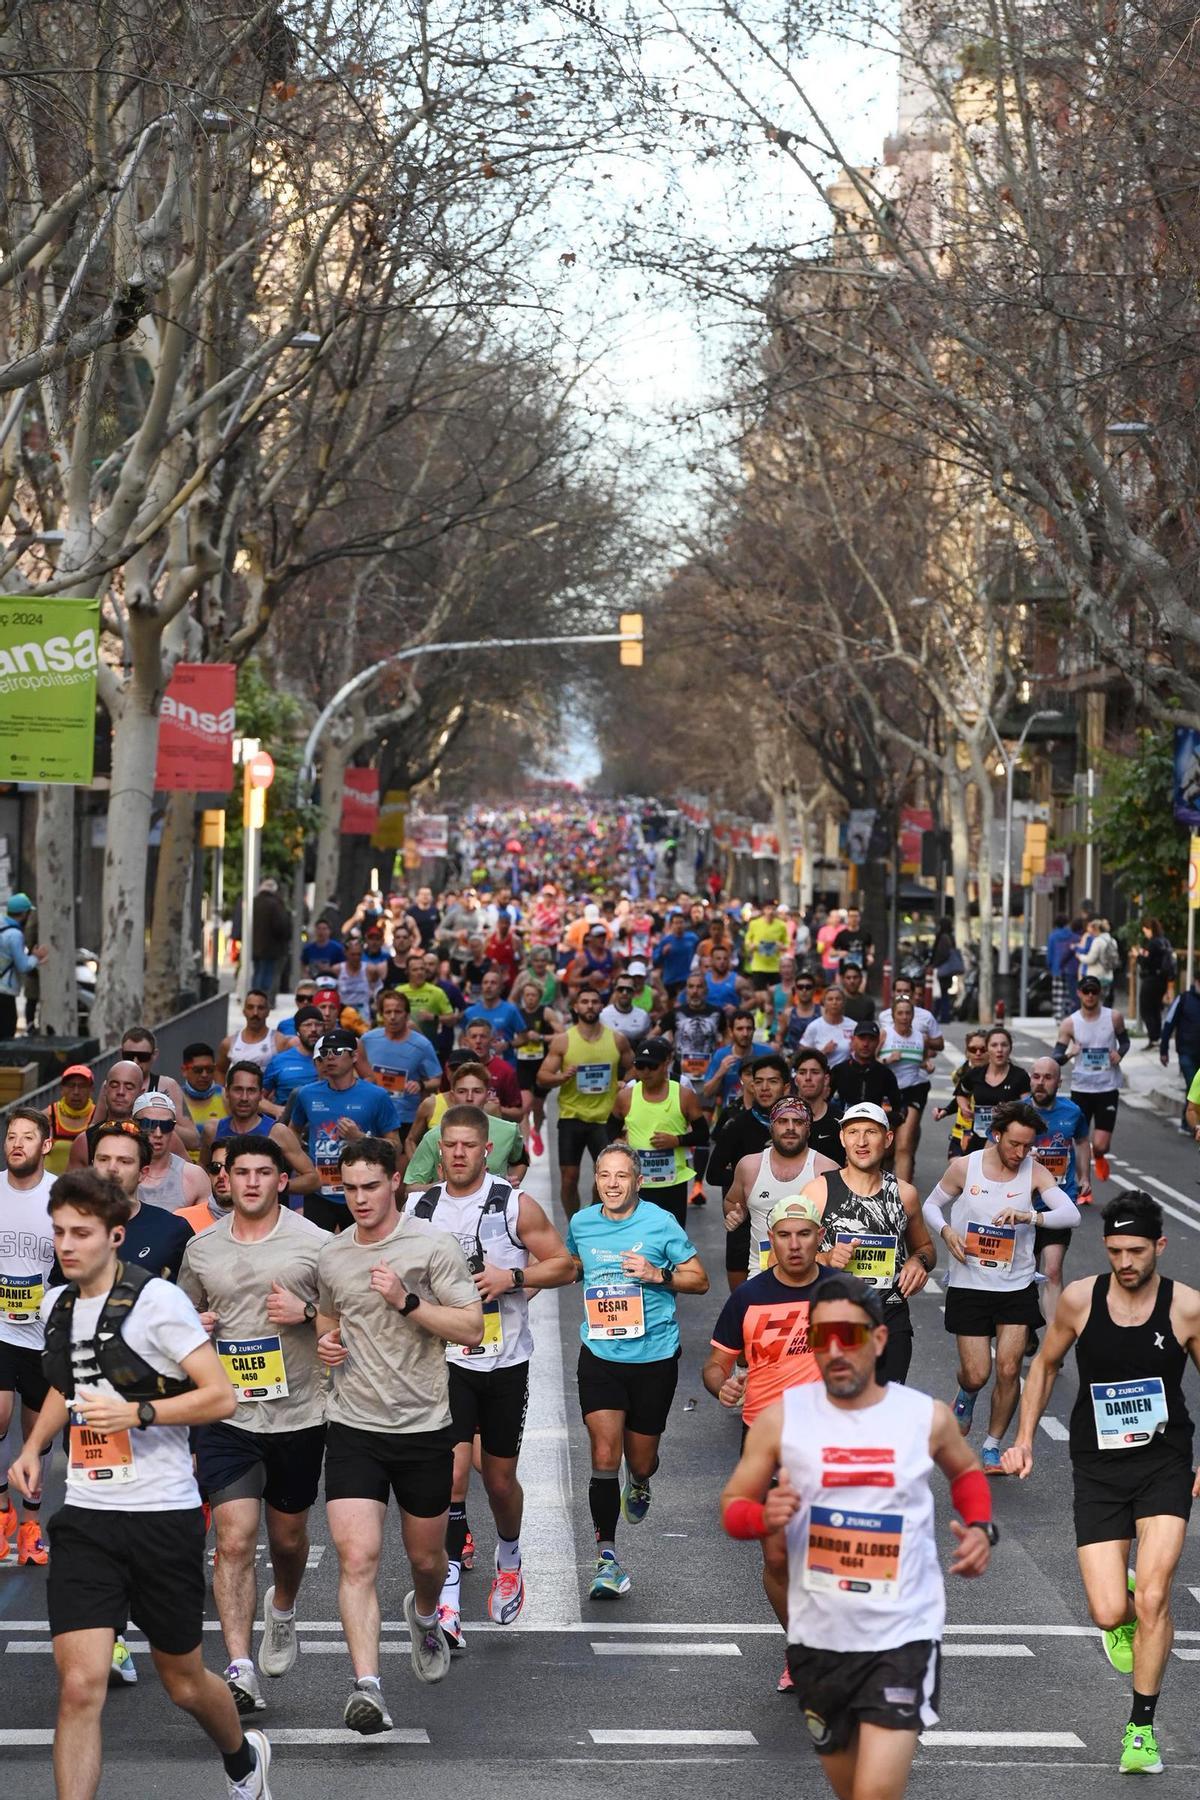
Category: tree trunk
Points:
column 986, row 932
column 781, row 807
column 54, row 861
column 165, row 974
column 121, row 982
column 960, row 848
column 329, row 837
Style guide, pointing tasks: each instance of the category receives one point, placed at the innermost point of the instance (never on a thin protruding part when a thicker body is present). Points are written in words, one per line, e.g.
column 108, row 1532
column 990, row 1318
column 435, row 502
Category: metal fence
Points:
column 205, row 1023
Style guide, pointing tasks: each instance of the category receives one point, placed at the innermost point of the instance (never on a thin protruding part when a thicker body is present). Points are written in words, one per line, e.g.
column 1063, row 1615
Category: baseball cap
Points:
column 1086, row 983
column 652, row 1053
column 865, row 1028
column 80, row 1069
column 866, row 1109
column 636, row 967
column 19, row 903
column 337, row 1039
column 147, row 1102
column 793, row 1206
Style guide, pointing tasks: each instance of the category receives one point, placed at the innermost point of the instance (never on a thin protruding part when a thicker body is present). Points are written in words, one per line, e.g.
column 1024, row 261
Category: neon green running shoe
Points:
column 1139, row 1752
column 1118, row 1644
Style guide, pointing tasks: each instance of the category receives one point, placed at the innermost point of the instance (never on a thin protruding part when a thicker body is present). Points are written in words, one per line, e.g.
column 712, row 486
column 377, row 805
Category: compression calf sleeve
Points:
column 604, row 1503
column 456, row 1532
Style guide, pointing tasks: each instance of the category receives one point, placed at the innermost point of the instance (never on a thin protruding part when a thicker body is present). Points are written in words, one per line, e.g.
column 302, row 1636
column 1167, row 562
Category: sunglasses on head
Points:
column 851, row 1336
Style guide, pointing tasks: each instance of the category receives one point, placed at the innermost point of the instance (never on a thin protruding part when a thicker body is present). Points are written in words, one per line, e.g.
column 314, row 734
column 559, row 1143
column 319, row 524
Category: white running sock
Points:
column 991, row 1443
column 508, row 1553
column 452, row 1588
column 278, row 1612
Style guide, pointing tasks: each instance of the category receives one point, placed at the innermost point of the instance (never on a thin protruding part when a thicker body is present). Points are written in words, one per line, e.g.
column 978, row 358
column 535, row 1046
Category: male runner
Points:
column 994, row 1196
column 586, row 1063
column 26, row 1259
column 154, row 1239
column 139, row 1045
column 743, row 1128
column 866, row 1601
column 763, row 945
column 130, row 1368
column 202, row 1092
column 663, row 1120
column 398, row 1059
column 255, row 1041
column 503, row 1017
column 246, row 1118
column 429, row 1007
column 168, row 1180
column 477, row 1043
column 1130, row 1447
column 220, row 1198
column 862, row 1077
column 70, row 1115
column 121, row 1087
column 1094, row 1038
column 764, row 1324
column 785, row 1166
column 253, row 1280
column 874, row 1229
column 393, row 1294
column 633, row 1259
column 813, row 1084
column 512, row 1250
column 506, row 1152
column 695, row 1029
column 333, row 1111
column 1063, row 1148
column 294, row 1067
column 722, row 1077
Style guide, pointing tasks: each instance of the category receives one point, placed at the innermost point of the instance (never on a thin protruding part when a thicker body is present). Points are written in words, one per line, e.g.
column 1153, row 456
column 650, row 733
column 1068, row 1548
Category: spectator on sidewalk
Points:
column 1183, row 1024
column 16, row 959
column 1156, row 968
column 1100, row 955
column 270, row 937
column 1061, row 947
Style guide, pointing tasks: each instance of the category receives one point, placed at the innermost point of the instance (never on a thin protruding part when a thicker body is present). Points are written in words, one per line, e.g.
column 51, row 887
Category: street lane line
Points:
column 747, row 1628
column 1001, row 1740
column 1188, row 1219
column 669, row 1738
column 618, row 1649
column 1186, row 1655
column 319, row 1734
column 1054, row 1429
column 986, row 1650
column 1188, row 1200
column 26, row 1740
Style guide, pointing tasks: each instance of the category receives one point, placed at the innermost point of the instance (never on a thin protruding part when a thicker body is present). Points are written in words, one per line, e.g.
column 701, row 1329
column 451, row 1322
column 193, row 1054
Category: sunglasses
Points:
column 139, row 1056
column 850, row 1337
column 324, row 1055
column 158, row 1124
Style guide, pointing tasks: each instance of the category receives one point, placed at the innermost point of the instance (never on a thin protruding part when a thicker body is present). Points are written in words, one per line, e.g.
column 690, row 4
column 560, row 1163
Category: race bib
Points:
column 1054, row 1159
column 991, row 1246
column 874, row 1256
column 615, row 1309
column 1128, row 1413
column 326, row 1151
column 493, row 1338
column 254, row 1367
column 530, row 1053
column 392, row 1080
column 593, row 1078
column 853, row 1553
column 764, row 1255
column 1094, row 1060
column 20, row 1298
column 101, row 1456
column 657, row 1166
column 693, row 1065
column 982, row 1123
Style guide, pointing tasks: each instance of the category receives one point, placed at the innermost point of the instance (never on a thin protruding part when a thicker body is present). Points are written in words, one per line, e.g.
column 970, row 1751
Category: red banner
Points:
column 360, row 802
column 915, row 821
column 195, row 732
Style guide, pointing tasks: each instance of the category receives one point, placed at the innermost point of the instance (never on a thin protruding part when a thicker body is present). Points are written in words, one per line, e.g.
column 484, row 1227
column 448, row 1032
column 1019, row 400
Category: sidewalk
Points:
column 1146, row 1084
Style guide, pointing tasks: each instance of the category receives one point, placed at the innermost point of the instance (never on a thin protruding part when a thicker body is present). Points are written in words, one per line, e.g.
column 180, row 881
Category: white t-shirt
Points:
column 162, row 1327
column 924, row 1023
column 820, row 1033
column 633, row 1024
column 26, row 1258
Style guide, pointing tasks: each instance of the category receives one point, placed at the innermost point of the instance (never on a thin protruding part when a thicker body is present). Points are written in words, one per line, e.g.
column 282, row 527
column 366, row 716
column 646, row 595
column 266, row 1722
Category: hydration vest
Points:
column 496, row 1201
column 130, row 1374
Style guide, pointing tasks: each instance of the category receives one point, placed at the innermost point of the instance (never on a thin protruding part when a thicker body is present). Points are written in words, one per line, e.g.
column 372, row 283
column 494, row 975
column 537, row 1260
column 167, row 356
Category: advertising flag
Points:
column 48, row 655
column 360, row 802
column 195, row 729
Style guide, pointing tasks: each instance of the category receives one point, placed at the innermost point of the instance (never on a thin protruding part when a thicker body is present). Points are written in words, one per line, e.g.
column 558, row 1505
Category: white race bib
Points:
column 1128, row 1413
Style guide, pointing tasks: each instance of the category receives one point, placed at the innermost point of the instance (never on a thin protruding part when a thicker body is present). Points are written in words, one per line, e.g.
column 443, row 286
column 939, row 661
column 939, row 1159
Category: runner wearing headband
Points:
column 1130, row 1447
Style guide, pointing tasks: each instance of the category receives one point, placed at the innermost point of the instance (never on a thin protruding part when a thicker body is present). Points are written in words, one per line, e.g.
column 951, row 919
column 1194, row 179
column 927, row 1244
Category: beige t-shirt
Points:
column 395, row 1377
column 274, row 1368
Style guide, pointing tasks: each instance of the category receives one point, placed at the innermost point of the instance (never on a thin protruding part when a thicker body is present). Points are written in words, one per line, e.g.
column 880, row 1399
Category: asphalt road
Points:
column 683, row 1670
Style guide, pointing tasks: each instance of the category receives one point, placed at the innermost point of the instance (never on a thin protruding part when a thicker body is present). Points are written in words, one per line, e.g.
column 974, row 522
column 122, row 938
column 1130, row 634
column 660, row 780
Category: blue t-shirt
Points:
column 397, row 1060
column 1060, row 950
column 316, row 957
column 722, row 993
column 728, row 1059
column 674, row 956
column 1055, row 1148
column 599, row 1242
column 287, row 1071
column 317, row 1109
column 505, row 1021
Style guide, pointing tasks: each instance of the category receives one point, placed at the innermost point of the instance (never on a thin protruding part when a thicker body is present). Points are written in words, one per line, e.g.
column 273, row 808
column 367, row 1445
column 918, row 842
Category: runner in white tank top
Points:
column 785, row 1166
column 1094, row 1040
column 242, row 1049
column 866, row 1599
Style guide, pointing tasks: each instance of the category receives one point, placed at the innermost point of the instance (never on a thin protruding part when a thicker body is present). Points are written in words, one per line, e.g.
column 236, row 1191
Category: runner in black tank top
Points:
column 1130, row 1447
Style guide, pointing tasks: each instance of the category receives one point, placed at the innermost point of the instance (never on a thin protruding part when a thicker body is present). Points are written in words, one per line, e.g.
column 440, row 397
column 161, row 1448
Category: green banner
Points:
column 48, row 654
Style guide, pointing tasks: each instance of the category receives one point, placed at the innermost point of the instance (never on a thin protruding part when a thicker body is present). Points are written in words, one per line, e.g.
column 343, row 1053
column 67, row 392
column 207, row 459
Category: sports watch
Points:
column 310, row 1312
column 518, row 1276
column 146, row 1415
column 989, row 1528
column 411, row 1303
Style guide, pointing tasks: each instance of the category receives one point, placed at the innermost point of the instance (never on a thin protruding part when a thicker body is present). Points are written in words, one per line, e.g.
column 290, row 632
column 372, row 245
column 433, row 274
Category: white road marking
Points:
column 1001, row 1740
column 315, row 1734
column 986, row 1650
column 1053, row 1428
column 1188, row 1200
column 26, row 1740
column 670, row 1738
column 613, row 1648
column 1186, row 1655
column 1191, row 1220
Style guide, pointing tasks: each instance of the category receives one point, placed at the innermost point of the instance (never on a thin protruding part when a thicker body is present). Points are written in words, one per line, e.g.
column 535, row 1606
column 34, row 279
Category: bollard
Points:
column 887, row 982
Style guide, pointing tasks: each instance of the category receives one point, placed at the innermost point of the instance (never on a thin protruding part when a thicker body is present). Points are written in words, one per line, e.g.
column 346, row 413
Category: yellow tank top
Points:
column 65, row 1126
column 593, row 1063
column 660, row 1168
column 440, row 1103
column 204, row 1110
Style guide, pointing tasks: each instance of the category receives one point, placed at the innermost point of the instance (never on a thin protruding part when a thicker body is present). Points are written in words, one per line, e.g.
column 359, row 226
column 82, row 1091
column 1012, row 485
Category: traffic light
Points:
column 631, row 640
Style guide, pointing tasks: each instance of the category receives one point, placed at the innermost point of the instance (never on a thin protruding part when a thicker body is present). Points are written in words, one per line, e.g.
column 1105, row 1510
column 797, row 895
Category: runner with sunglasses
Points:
column 333, row 1112
column 866, row 1597
column 960, row 1131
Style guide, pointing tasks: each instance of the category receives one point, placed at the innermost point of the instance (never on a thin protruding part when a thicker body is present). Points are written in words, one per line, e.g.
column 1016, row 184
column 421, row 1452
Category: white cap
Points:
column 866, row 1109
column 636, row 967
column 155, row 1097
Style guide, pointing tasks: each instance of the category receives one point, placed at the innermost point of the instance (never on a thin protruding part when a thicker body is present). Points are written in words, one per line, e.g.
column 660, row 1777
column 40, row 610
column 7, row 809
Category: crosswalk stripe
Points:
column 1001, row 1740
column 986, row 1650
column 613, row 1648
column 672, row 1739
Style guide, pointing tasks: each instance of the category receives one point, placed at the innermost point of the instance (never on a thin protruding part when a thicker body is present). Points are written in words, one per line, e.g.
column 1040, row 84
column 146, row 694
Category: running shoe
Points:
column 122, row 1673
column 468, row 1555
column 452, row 1630
column 507, row 1596
column 1118, row 1643
column 535, row 1142
column 964, row 1410
column 610, row 1580
column 242, row 1683
column 1139, row 1752
column 256, row 1785
column 785, row 1684
column 989, row 1456
column 697, row 1197
column 1102, row 1172
column 365, row 1711
column 31, row 1546
column 279, row 1649
column 635, row 1500
column 430, row 1651
column 8, row 1529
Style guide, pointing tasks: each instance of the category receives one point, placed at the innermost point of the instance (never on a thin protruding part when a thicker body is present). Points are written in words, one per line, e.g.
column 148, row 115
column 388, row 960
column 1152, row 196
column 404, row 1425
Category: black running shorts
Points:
column 415, row 1467
column 492, row 1402
column 21, row 1373
column 1116, row 1488
column 976, row 1312
column 281, row 1467
column 109, row 1567
column 577, row 1135
column 1100, row 1110
column 737, row 1247
column 840, row 1690
column 643, row 1391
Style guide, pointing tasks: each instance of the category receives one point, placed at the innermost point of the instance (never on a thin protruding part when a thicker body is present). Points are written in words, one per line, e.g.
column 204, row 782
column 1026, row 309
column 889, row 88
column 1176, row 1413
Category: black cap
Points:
column 338, row 1039
column 844, row 1286
column 866, row 1028
column 304, row 1013
column 1088, row 983
column 652, row 1053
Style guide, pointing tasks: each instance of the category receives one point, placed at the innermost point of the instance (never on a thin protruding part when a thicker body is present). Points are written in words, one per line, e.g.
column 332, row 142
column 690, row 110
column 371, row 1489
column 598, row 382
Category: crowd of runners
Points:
column 302, row 1265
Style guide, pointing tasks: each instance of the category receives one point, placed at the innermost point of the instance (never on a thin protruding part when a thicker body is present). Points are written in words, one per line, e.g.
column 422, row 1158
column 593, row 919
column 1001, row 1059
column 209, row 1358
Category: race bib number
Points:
column 530, row 1053
column 1095, row 1061
column 853, row 1553
column 255, row 1367
column 326, row 1151
column 101, row 1456
column 593, row 1078
column 493, row 1338
column 693, row 1065
column 392, row 1080
column 982, row 1122
column 991, row 1246
column 657, row 1166
column 615, row 1310
column 1128, row 1413
column 1054, row 1159
column 20, row 1298
column 874, row 1256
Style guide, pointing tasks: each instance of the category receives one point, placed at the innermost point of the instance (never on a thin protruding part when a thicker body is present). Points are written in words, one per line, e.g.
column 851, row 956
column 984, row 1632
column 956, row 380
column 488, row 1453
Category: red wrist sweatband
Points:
column 746, row 1519
column 972, row 1497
